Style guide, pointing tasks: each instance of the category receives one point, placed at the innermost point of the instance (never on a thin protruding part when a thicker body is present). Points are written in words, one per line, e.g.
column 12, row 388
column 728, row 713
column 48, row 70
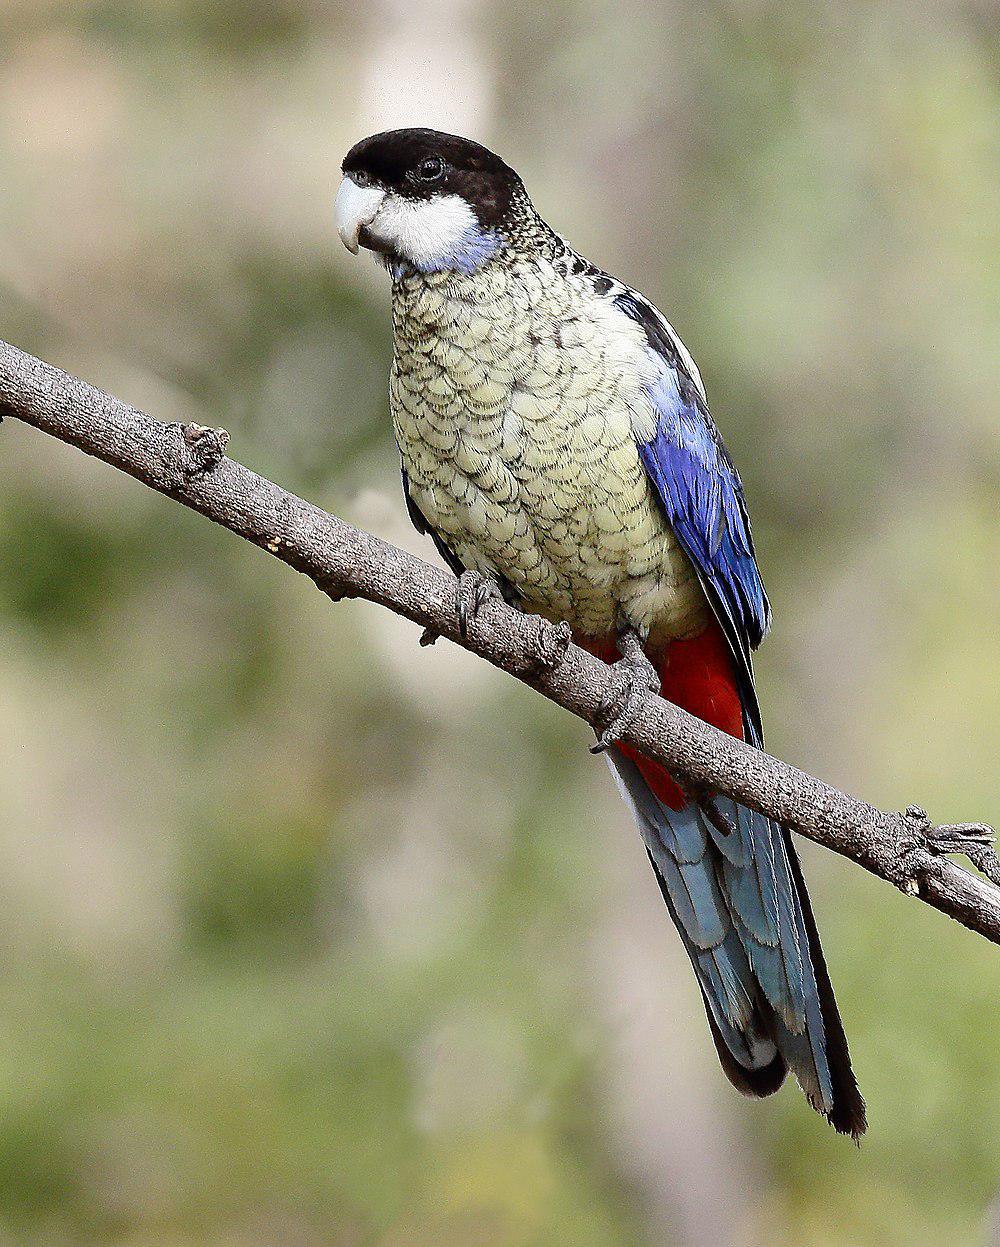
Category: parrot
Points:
column 556, row 446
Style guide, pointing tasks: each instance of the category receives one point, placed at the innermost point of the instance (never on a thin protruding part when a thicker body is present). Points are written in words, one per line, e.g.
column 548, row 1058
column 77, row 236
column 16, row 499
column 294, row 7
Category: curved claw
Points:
column 472, row 592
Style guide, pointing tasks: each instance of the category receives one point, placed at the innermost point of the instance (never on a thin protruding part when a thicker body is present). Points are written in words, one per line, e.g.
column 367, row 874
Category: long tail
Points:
column 742, row 910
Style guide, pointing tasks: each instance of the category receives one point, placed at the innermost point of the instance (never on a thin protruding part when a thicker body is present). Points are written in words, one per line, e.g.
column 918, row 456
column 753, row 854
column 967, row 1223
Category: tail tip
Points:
column 849, row 1115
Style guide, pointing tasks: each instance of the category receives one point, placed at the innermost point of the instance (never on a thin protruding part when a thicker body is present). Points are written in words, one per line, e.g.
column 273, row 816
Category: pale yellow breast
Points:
column 512, row 404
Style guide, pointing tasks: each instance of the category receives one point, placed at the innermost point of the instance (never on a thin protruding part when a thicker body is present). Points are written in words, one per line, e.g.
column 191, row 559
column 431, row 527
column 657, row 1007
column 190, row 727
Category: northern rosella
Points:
column 557, row 446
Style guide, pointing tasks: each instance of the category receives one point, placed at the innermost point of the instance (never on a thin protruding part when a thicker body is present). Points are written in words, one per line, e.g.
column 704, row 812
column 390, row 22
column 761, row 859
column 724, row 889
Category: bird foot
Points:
column 473, row 591
column 633, row 679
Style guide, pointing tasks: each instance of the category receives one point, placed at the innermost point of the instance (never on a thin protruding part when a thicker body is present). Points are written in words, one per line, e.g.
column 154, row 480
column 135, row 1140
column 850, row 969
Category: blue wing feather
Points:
column 702, row 494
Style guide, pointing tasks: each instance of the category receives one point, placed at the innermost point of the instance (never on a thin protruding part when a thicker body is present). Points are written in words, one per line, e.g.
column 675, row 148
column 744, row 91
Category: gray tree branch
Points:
column 189, row 464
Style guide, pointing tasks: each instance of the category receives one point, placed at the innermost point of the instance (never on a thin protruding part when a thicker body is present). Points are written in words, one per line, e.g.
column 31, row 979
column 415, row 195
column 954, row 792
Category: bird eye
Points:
column 430, row 170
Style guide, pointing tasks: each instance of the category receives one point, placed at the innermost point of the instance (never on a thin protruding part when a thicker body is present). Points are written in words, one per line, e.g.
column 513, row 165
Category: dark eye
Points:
column 430, row 170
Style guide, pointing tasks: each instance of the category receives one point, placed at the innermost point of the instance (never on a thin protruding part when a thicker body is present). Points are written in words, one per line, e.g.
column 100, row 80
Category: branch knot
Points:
column 206, row 449
column 551, row 644
column 334, row 588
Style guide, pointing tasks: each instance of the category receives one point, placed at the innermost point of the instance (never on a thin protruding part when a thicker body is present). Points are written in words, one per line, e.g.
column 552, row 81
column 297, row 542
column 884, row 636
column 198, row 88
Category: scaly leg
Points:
column 634, row 677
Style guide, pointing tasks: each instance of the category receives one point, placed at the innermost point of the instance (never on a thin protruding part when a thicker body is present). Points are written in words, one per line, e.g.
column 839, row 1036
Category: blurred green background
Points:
column 314, row 938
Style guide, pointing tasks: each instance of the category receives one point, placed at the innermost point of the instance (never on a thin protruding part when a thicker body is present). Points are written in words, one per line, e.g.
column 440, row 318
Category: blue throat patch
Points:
column 471, row 251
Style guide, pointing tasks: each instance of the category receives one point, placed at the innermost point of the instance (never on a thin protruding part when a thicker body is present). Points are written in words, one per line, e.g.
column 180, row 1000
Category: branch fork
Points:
column 929, row 843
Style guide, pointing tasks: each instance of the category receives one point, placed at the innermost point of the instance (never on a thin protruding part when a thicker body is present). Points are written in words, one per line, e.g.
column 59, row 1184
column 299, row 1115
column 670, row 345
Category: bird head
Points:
column 425, row 199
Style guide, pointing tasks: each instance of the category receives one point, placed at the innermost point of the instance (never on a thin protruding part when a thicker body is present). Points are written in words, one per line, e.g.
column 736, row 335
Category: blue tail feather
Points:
column 738, row 905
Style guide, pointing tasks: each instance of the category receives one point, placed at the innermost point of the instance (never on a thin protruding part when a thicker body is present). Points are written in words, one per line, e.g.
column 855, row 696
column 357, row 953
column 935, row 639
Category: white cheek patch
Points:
column 429, row 233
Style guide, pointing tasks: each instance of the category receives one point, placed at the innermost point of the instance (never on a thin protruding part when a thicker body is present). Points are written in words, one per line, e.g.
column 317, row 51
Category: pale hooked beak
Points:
column 355, row 208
